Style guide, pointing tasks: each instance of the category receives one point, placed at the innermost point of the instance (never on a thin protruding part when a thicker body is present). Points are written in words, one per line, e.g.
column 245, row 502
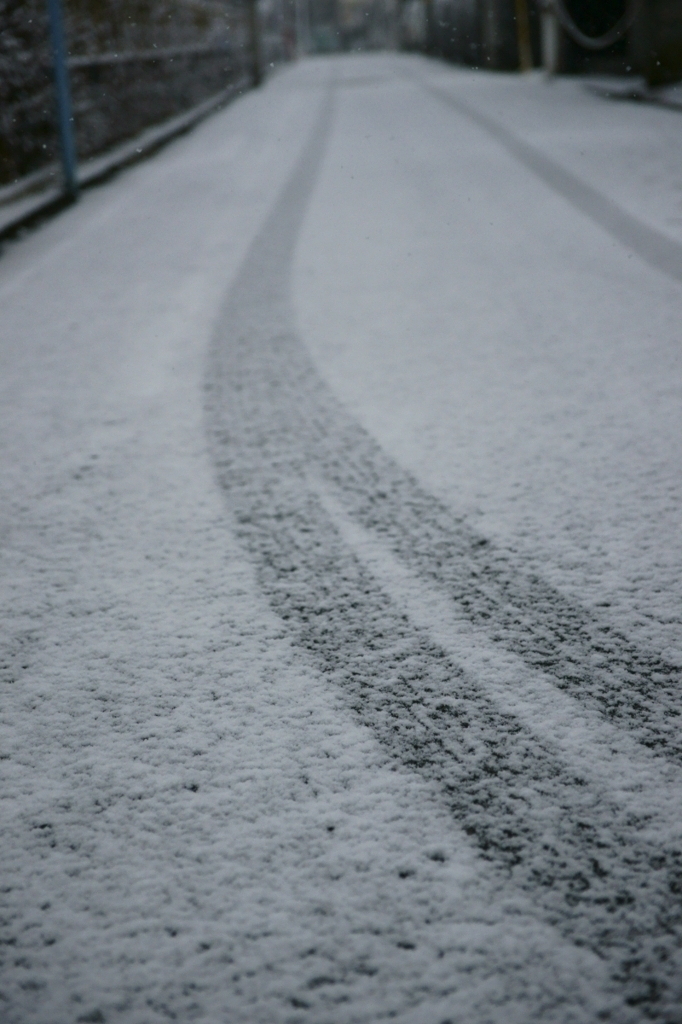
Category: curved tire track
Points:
column 592, row 869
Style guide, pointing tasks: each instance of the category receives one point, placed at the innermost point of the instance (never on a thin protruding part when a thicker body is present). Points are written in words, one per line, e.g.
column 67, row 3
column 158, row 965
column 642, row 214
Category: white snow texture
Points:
column 341, row 565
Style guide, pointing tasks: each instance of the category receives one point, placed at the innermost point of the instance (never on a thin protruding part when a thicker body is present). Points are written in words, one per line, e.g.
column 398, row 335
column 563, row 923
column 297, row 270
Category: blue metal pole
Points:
column 64, row 114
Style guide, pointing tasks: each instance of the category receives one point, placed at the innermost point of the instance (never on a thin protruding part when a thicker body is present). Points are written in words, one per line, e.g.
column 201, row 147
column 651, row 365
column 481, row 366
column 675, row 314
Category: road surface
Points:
column 342, row 566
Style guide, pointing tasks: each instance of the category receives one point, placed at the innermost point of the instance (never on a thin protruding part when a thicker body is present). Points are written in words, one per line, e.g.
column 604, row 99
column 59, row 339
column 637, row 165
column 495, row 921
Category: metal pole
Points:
column 523, row 36
column 300, row 44
column 430, row 44
column 550, row 42
column 63, row 94
column 255, row 43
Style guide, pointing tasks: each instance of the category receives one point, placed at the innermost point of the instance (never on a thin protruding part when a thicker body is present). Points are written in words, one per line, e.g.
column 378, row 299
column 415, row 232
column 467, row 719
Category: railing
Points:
column 121, row 75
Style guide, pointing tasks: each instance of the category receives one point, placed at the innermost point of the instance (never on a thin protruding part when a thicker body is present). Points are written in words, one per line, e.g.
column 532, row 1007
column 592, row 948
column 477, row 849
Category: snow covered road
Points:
column 341, row 591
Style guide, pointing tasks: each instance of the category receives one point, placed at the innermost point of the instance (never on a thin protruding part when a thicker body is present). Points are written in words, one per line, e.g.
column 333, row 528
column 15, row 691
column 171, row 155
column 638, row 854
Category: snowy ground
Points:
column 342, row 566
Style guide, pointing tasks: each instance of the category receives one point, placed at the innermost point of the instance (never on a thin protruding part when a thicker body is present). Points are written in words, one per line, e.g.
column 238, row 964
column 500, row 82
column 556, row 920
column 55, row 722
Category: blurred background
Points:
column 132, row 64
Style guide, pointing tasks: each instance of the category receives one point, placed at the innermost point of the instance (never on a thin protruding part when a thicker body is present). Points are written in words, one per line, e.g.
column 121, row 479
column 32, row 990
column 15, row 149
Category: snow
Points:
column 500, row 345
column 281, row 737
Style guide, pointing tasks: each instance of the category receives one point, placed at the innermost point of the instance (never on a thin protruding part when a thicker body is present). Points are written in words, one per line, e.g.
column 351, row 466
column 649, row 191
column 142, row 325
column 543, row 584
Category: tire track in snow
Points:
column 592, row 865
column 653, row 247
column 648, row 787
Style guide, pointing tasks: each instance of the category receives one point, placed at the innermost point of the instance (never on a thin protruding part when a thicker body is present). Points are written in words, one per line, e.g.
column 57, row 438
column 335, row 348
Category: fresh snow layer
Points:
column 510, row 352
column 278, row 735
